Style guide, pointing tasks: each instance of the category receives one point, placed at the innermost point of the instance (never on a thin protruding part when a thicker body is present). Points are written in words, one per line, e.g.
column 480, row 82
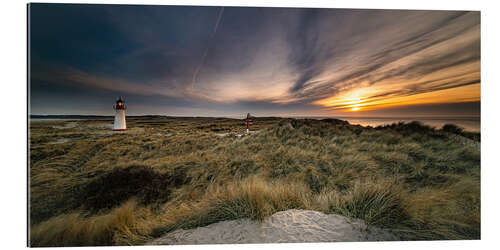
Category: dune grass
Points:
column 104, row 188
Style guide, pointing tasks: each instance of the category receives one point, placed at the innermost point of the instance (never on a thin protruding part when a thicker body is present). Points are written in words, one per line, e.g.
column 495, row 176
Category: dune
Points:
column 282, row 227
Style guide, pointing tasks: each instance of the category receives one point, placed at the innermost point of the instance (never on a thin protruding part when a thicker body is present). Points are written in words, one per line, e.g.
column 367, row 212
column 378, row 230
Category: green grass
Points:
column 105, row 188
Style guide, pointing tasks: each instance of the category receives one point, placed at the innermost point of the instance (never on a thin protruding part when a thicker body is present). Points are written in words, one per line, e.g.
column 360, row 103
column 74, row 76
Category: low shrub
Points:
column 121, row 184
column 452, row 128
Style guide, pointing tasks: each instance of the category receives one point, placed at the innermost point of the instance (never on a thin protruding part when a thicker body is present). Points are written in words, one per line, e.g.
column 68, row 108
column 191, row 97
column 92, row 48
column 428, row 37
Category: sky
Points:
column 229, row 61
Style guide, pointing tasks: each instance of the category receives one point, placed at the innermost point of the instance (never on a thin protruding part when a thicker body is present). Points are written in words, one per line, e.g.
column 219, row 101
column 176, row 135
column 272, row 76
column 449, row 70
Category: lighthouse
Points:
column 120, row 124
column 249, row 121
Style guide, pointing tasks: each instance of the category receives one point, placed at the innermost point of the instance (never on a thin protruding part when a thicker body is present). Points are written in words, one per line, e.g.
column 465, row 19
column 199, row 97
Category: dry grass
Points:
column 252, row 198
column 377, row 203
column 104, row 188
column 121, row 225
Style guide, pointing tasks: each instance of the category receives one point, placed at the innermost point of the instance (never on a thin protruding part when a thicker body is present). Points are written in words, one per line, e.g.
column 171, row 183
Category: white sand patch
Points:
column 131, row 131
column 60, row 141
column 164, row 134
column 101, row 125
column 67, row 125
column 287, row 226
column 466, row 142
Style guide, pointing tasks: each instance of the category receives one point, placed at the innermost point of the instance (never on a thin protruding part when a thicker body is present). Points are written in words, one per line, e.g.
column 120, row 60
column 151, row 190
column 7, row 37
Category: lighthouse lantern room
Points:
column 119, row 107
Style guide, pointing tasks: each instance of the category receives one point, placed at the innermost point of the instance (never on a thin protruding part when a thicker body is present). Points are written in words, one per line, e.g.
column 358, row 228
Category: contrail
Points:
column 218, row 20
column 195, row 74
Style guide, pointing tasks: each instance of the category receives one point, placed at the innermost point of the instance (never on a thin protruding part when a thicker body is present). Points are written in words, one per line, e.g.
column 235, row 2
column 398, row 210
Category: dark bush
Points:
column 121, row 184
column 452, row 128
column 335, row 121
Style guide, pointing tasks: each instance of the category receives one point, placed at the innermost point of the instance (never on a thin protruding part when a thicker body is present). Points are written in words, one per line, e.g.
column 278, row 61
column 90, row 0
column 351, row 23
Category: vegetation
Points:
column 91, row 186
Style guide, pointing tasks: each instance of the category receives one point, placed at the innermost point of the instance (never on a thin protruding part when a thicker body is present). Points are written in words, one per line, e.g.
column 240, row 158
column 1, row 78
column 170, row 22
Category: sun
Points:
column 351, row 101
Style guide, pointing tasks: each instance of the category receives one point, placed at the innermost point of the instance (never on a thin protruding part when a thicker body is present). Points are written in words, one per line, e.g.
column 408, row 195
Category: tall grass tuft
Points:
column 252, row 198
column 377, row 203
column 122, row 224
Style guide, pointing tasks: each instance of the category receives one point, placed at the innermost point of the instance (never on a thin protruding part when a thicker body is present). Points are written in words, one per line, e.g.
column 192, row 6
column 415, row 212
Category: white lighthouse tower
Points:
column 119, row 107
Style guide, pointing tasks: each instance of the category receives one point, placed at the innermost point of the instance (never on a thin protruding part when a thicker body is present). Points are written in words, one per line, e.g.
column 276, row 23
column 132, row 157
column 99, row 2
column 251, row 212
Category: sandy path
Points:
column 466, row 141
column 67, row 125
column 287, row 226
column 60, row 141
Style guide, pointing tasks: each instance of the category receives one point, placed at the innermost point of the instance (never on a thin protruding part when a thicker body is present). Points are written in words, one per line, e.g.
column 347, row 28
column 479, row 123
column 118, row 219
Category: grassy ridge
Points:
column 103, row 188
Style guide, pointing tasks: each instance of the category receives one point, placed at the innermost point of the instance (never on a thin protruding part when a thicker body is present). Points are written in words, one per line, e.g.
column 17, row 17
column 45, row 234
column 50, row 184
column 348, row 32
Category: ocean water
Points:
column 53, row 119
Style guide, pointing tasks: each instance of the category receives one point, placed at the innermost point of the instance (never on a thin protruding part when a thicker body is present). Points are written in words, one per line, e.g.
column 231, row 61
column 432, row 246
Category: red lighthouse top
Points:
column 120, row 104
